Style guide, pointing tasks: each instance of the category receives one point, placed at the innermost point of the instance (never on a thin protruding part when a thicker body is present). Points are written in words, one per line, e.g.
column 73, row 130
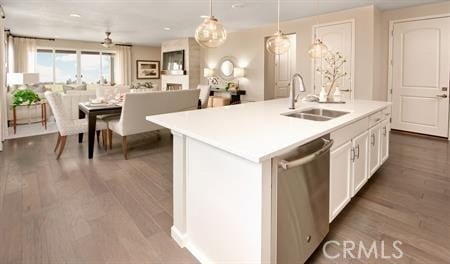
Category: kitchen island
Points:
column 223, row 199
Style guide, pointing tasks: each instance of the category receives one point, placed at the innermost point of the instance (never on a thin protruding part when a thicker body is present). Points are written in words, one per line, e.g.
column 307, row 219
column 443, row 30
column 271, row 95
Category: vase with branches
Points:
column 332, row 69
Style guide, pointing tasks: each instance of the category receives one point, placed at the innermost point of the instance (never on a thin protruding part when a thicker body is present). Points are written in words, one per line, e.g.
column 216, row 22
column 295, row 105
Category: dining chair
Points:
column 204, row 95
column 67, row 125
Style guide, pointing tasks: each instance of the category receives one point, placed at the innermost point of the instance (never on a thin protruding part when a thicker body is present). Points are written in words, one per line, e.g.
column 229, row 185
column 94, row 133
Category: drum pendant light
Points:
column 279, row 42
column 210, row 33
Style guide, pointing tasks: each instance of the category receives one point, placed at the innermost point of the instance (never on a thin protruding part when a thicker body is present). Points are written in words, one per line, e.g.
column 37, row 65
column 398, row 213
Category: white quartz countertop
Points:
column 257, row 131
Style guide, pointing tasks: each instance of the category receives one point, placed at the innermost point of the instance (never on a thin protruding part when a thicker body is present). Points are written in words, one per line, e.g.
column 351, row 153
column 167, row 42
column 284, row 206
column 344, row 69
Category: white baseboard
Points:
column 178, row 237
column 182, row 242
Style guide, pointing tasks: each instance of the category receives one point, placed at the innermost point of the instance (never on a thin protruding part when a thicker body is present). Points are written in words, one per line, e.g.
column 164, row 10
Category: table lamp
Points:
column 22, row 78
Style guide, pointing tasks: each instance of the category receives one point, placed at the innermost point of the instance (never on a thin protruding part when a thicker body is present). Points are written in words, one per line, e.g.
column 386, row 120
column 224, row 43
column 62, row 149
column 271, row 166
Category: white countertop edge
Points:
column 260, row 159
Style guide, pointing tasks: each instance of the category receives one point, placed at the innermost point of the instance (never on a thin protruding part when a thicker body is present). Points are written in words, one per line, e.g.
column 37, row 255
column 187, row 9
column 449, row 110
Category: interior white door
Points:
column 338, row 37
column 420, row 76
column 284, row 69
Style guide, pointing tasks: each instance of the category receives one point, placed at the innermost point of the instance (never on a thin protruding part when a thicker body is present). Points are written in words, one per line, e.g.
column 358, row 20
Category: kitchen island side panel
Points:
column 228, row 200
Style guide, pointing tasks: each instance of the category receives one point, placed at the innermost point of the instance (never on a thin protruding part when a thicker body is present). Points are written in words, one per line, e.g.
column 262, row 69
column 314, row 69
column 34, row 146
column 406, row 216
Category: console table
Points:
column 234, row 94
column 43, row 121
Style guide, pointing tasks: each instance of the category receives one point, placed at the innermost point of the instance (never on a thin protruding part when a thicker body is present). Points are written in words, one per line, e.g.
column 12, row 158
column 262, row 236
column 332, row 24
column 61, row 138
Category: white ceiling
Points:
column 142, row 21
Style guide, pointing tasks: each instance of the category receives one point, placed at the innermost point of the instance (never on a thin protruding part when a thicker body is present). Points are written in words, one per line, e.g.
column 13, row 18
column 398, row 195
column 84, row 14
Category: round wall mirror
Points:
column 226, row 68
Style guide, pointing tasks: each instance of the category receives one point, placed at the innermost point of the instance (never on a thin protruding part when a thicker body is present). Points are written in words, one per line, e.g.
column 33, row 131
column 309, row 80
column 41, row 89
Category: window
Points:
column 65, row 67
column 44, row 65
column 108, row 67
column 70, row 67
column 90, row 67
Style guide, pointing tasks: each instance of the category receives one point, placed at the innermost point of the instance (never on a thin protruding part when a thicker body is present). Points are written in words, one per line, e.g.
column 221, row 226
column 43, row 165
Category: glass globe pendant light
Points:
column 278, row 43
column 210, row 33
column 318, row 49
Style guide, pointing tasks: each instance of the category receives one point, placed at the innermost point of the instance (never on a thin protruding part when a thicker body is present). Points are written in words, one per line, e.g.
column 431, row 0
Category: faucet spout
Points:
column 292, row 97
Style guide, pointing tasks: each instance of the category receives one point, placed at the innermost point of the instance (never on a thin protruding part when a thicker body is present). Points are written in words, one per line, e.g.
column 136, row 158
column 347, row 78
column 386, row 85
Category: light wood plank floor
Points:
column 109, row 210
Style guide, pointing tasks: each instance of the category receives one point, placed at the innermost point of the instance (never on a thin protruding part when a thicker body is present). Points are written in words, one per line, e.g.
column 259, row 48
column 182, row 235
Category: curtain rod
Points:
column 27, row 37
column 51, row 39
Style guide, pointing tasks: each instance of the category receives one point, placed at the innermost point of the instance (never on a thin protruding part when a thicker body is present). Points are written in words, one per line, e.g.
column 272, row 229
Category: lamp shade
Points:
column 238, row 72
column 318, row 49
column 208, row 72
column 22, row 78
column 210, row 33
column 278, row 43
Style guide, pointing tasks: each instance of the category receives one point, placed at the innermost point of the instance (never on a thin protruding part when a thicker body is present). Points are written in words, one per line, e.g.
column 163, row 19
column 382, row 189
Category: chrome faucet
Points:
column 292, row 97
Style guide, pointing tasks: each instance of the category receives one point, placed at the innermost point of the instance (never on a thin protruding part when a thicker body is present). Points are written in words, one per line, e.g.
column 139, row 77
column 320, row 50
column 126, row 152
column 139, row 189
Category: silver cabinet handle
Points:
column 352, row 155
column 346, row 90
column 442, row 95
column 289, row 164
column 372, row 139
column 357, row 151
column 384, row 131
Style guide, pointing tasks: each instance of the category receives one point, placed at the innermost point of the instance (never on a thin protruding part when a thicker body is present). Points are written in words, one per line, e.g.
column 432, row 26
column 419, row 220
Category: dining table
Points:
column 91, row 111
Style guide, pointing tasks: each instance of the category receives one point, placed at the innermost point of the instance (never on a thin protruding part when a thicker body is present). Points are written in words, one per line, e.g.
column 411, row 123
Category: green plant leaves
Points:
column 25, row 97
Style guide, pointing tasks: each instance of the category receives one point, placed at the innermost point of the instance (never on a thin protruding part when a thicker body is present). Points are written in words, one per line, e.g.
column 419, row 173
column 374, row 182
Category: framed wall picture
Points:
column 147, row 69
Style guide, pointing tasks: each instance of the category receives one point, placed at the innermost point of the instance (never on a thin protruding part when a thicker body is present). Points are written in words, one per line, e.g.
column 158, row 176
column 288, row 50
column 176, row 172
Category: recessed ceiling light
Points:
column 237, row 5
column 167, row 28
column 75, row 15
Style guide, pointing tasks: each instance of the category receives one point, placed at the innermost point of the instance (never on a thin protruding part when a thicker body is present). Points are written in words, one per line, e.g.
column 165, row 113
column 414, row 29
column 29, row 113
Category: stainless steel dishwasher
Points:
column 302, row 200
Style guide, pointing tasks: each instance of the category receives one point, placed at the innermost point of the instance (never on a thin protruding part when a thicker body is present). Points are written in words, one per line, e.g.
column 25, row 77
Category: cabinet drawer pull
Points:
column 372, row 139
column 352, row 156
column 357, row 151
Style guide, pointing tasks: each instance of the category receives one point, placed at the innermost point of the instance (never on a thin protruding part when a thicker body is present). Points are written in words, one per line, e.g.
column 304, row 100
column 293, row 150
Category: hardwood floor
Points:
column 408, row 200
column 120, row 211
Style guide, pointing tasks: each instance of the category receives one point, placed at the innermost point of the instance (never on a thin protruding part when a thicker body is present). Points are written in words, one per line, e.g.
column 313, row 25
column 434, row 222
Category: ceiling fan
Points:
column 107, row 43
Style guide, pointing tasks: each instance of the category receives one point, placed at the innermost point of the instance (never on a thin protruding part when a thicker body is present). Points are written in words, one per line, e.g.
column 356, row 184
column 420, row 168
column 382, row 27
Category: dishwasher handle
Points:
column 298, row 162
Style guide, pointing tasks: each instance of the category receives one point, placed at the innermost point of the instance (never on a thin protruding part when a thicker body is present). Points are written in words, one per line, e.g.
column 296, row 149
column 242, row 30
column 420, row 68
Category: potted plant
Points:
column 25, row 97
column 332, row 70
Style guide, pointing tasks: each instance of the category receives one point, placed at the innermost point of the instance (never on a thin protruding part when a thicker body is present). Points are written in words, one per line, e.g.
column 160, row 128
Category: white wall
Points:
column 248, row 48
column 144, row 53
column 138, row 52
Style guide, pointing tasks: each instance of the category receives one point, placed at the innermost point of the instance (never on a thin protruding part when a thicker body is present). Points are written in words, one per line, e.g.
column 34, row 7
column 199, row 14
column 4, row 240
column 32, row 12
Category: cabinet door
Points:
column 360, row 162
column 374, row 149
column 340, row 175
column 384, row 142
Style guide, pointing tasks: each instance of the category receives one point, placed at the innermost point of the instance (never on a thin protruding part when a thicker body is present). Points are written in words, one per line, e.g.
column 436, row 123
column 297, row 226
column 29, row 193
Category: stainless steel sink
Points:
column 317, row 114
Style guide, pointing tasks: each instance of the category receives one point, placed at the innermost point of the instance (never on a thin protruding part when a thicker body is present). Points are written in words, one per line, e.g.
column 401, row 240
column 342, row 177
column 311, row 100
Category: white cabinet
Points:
column 384, row 140
column 360, row 162
column 340, row 177
column 360, row 149
column 374, row 149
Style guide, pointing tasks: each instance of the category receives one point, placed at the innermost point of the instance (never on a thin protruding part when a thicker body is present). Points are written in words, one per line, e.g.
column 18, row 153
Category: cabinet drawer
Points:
column 376, row 118
column 387, row 112
column 347, row 133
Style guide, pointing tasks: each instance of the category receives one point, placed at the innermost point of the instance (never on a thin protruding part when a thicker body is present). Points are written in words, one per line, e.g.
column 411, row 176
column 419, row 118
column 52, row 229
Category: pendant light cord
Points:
column 278, row 19
column 210, row 8
column 317, row 19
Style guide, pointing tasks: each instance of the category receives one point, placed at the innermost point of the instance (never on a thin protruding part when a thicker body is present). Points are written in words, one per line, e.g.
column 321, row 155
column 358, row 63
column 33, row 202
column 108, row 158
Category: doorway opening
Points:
column 278, row 70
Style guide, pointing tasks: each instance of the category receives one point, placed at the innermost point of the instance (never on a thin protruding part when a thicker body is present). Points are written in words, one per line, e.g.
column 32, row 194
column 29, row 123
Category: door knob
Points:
column 442, row 95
